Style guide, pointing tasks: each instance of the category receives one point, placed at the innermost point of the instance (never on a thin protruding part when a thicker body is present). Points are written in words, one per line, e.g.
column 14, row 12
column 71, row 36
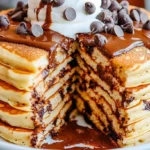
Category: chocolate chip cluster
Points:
column 115, row 18
column 19, row 13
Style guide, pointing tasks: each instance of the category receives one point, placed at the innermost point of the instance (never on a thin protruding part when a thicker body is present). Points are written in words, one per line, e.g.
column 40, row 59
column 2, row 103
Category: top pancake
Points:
column 23, row 57
column 34, row 57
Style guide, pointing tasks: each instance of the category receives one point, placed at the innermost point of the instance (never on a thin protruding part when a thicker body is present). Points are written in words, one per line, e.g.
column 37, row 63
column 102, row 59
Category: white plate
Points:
column 8, row 146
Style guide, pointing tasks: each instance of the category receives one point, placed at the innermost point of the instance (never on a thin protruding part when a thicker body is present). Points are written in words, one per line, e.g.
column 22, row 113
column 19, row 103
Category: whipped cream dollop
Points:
column 37, row 14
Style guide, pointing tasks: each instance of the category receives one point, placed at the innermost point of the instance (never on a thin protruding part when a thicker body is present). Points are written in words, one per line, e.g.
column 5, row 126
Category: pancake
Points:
column 23, row 57
column 33, row 119
column 35, row 87
column 28, row 137
column 21, row 99
column 42, row 77
column 113, row 91
column 22, row 79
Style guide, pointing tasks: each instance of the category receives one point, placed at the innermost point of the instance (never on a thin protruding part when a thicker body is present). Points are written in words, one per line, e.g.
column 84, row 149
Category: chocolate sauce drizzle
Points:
column 72, row 136
column 48, row 19
column 41, row 6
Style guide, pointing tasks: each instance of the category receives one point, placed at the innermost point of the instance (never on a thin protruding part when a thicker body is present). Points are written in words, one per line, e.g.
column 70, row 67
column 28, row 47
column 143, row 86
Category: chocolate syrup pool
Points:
column 76, row 137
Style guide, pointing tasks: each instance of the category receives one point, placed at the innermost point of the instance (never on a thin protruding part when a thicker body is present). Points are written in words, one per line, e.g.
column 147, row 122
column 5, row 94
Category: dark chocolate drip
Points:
column 72, row 135
column 39, row 9
column 48, row 19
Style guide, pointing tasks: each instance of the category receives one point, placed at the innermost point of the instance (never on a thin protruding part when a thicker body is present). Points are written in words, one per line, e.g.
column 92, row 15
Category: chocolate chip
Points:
column 125, row 4
column 70, row 14
column 58, row 3
column 26, row 6
column 137, row 9
column 4, row 22
column 125, row 19
column 100, row 40
column 108, row 27
column 90, row 8
column 37, row 30
column 106, row 4
column 115, row 17
column 104, row 14
column 22, row 29
column 117, row 30
column 115, row 6
column 147, row 105
column 109, row 20
column 143, row 17
column 20, row 6
column 97, row 27
column 46, row 1
column 105, row 17
column 128, row 27
column 18, row 16
column 135, row 15
column 122, row 12
column 25, row 13
column 146, row 26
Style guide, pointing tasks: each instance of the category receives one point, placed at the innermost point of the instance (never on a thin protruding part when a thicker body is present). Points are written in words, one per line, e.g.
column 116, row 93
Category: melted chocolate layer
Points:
column 48, row 41
column 72, row 135
column 119, row 45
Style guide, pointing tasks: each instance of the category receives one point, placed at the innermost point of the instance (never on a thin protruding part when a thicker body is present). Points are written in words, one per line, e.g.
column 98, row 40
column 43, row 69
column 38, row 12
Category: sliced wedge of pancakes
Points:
column 34, row 96
column 114, row 92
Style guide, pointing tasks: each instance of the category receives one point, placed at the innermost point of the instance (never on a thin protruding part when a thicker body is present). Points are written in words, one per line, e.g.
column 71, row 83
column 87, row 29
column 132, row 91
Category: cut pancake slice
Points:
column 24, row 100
column 26, row 58
column 31, row 120
column 41, row 113
column 22, row 79
column 28, row 137
column 106, row 87
column 136, row 134
column 131, row 68
column 102, row 109
column 85, row 108
column 113, row 91
column 35, row 88
column 86, row 80
column 101, row 71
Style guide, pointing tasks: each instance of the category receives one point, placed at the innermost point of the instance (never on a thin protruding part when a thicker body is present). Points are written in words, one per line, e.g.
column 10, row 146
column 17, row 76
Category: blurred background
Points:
column 4, row 4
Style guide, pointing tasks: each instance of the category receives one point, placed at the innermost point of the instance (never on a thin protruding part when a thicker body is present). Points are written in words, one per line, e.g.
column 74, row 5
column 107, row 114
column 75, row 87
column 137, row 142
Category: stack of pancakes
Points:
column 34, row 97
column 113, row 92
